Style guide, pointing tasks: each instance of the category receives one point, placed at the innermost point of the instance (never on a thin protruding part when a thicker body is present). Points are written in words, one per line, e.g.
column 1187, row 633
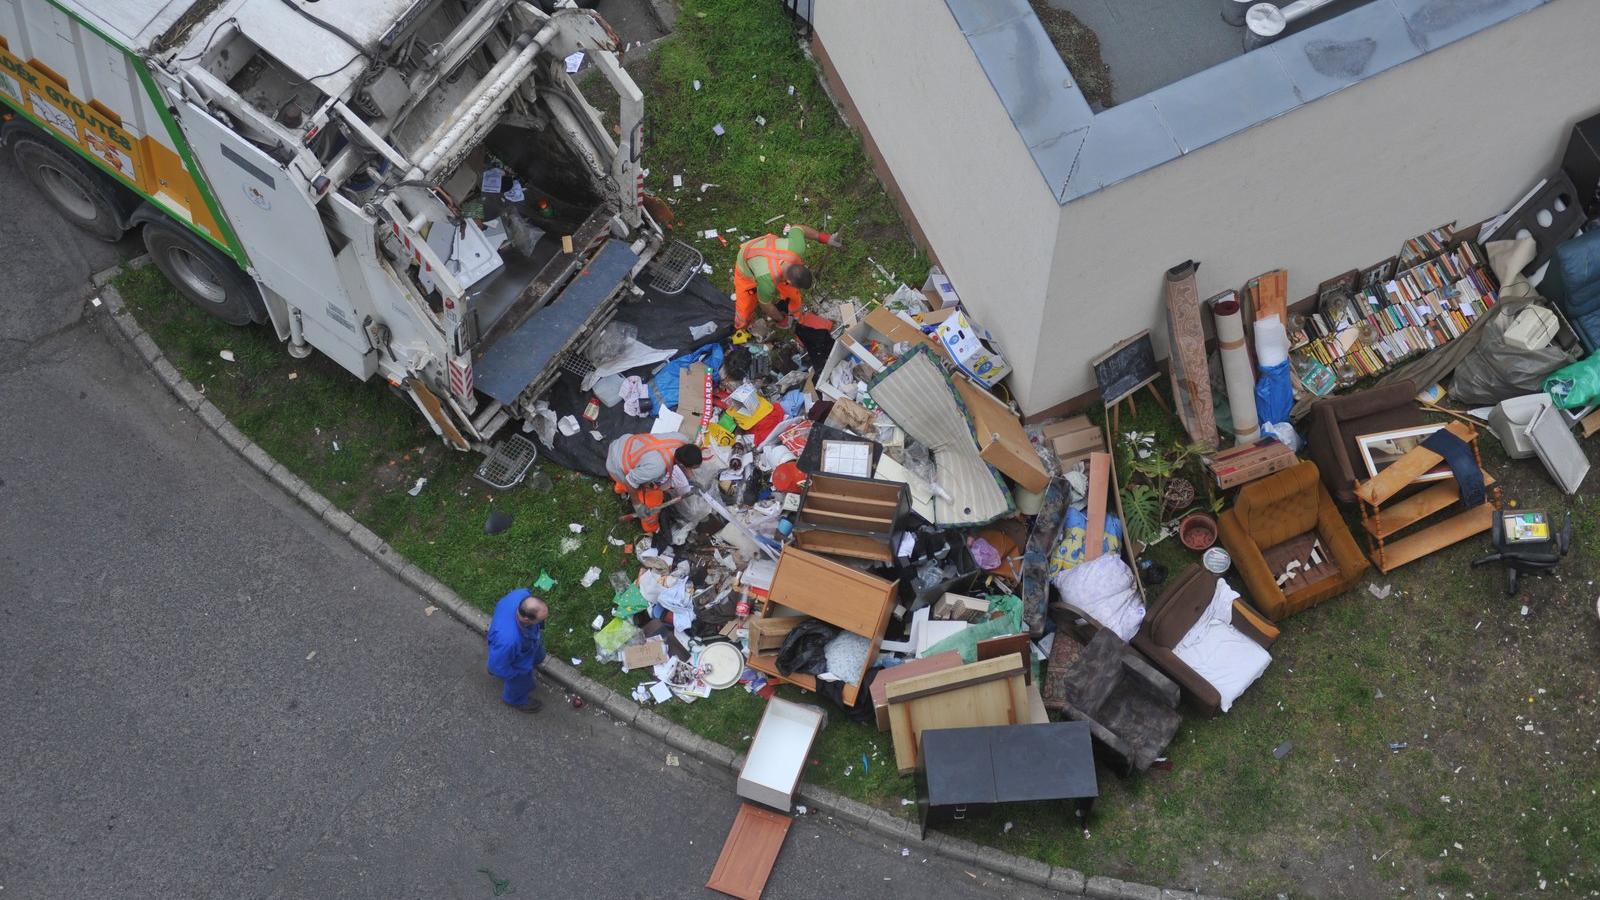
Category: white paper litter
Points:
column 761, row 120
column 417, row 488
column 1381, row 593
column 709, row 234
column 227, row 355
column 677, row 181
column 94, row 301
column 591, row 576
column 660, row 693
column 567, row 425
column 718, row 130
column 697, row 84
column 574, row 62
column 575, row 528
column 706, row 268
column 791, row 90
column 597, row 435
column 599, row 621
column 706, row 186
column 576, row 661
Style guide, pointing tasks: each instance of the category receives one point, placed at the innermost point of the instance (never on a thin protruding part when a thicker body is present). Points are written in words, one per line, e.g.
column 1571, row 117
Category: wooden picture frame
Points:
column 1381, row 449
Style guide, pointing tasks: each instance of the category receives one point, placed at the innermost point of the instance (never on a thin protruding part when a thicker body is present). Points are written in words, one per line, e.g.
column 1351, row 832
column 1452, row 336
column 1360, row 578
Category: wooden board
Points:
column 1019, row 644
column 911, row 668
column 990, row 692
column 1416, row 507
column 833, row 592
column 1099, row 485
column 1418, row 460
column 1001, row 441
column 749, row 852
column 1436, row 537
column 437, row 417
column 1270, row 296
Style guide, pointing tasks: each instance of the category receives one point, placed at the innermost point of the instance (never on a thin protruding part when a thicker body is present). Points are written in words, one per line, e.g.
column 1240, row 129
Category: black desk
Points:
column 965, row 771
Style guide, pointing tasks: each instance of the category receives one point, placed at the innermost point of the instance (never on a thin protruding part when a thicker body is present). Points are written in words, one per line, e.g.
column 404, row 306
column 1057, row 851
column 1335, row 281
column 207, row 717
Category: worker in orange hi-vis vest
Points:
column 641, row 465
column 772, row 268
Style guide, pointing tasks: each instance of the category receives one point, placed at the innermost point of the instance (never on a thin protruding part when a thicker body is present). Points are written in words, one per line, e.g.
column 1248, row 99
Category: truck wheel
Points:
column 203, row 274
column 72, row 187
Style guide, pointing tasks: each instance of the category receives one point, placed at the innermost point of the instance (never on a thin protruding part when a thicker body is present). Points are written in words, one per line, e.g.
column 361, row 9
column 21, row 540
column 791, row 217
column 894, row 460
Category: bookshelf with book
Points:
column 1365, row 331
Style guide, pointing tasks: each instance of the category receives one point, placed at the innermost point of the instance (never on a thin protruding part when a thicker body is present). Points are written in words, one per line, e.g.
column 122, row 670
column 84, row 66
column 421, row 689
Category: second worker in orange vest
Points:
column 641, row 466
column 771, row 268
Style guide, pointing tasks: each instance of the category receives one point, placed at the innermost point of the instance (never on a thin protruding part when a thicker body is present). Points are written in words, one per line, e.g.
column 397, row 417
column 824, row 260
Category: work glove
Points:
column 832, row 240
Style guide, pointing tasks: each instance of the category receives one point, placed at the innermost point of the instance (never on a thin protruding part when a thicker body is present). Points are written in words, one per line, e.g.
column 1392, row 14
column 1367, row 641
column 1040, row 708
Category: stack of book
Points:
column 1424, row 307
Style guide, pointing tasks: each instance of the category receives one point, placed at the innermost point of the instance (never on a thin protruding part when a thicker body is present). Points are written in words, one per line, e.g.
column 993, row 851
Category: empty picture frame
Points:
column 1383, row 448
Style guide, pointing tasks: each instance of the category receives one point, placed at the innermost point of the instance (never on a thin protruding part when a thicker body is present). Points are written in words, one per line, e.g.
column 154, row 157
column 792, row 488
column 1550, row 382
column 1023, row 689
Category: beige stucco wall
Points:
column 956, row 157
column 1457, row 134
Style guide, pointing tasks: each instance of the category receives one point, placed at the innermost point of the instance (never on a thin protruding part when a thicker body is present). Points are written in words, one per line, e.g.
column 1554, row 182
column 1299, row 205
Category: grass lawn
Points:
column 1497, row 792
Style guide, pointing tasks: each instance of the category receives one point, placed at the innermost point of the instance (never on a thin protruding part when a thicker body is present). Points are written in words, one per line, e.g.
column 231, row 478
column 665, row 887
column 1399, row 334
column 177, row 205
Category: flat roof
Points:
column 1154, row 43
column 1079, row 150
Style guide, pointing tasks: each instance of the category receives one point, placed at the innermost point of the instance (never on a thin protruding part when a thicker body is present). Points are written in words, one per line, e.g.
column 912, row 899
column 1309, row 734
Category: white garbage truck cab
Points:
column 415, row 188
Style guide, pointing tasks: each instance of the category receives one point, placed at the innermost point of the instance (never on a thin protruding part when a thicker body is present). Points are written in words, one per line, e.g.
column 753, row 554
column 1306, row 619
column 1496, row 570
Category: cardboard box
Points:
column 1001, row 441
column 767, row 633
column 692, row 400
column 956, row 606
column 971, row 348
column 1072, row 440
column 1239, row 465
column 939, row 289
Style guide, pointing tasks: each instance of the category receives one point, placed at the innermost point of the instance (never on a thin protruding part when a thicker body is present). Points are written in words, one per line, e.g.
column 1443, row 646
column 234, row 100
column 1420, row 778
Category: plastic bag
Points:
column 1274, row 393
column 966, row 640
column 805, row 648
column 1575, row 386
column 609, row 640
column 1495, row 370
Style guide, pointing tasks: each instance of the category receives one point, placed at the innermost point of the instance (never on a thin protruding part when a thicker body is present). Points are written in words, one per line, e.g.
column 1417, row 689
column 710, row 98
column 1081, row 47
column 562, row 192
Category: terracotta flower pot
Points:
column 1197, row 531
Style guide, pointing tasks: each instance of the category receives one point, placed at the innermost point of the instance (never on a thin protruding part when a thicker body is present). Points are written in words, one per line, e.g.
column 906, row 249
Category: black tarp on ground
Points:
column 663, row 321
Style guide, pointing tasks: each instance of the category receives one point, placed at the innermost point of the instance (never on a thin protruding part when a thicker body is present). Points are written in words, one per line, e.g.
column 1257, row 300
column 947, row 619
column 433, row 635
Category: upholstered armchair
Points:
column 1220, row 658
column 1286, row 524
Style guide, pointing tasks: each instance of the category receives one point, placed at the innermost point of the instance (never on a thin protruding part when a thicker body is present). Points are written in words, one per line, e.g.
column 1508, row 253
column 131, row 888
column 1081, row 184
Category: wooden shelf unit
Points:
column 1383, row 523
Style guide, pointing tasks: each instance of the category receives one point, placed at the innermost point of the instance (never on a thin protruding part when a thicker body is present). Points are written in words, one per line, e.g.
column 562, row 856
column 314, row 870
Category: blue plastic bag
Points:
column 664, row 388
column 1274, row 393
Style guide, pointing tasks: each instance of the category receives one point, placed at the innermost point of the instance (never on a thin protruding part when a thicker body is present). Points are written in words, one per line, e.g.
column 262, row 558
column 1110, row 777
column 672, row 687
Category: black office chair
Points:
column 1523, row 541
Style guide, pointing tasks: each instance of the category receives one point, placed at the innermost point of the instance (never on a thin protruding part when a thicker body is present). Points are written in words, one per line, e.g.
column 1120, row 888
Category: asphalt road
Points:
column 203, row 692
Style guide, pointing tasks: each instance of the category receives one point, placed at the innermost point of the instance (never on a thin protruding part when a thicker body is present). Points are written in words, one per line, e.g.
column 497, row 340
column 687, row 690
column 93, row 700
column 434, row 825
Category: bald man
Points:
column 516, row 646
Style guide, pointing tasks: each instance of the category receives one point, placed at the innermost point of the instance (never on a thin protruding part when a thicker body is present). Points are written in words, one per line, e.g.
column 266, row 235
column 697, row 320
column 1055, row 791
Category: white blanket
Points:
column 1221, row 653
column 1103, row 587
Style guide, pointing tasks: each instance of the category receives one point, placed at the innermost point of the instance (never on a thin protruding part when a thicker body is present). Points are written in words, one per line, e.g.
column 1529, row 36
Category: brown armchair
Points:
column 1131, row 708
column 1337, row 421
column 1279, row 518
column 1175, row 612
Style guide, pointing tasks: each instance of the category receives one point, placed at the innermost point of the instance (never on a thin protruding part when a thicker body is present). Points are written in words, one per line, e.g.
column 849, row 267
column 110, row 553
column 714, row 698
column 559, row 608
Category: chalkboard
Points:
column 1125, row 368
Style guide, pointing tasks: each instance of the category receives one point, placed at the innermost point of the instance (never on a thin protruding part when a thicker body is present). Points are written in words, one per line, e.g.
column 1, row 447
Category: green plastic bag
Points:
column 966, row 640
column 610, row 639
column 1577, row 385
column 630, row 602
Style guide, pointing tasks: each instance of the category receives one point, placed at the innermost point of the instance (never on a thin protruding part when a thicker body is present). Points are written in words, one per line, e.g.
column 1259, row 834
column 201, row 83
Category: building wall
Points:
column 1457, row 134
column 957, row 159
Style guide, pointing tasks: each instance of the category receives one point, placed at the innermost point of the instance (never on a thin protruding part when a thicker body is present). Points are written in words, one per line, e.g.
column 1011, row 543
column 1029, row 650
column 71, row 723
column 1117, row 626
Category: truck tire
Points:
column 203, row 274
column 73, row 187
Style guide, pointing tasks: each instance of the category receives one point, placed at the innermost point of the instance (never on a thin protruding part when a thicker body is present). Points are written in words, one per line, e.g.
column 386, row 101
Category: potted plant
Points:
column 1157, row 490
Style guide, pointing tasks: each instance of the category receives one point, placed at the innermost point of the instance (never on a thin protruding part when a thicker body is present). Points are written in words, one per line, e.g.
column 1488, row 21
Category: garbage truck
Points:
column 417, row 189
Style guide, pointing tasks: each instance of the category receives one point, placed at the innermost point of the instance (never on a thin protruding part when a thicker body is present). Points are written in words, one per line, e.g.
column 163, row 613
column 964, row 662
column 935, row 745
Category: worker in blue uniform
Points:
column 516, row 646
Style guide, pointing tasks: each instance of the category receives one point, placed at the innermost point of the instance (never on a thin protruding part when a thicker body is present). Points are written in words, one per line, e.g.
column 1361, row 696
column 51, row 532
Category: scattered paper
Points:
column 791, row 90
column 905, row 851
column 1381, row 593
column 417, row 488
column 575, row 528
column 597, row 435
column 697, row 84
column 800, row 809
column 677, row 181
column 598, row 623
column 660, row 693
column 718, row 130
column 591, row 576
column 429, row 610
column 709, row 234
column 576, row 661
column 227, row 355
column 706, row 186
column 574, row 62
column 310, row 655
column 706, row 268
column 672, row 759
column 762, row 121
column 615, row 542
column 293, row 375
column 95, row 301
column 1007, row 829
column 336, row 446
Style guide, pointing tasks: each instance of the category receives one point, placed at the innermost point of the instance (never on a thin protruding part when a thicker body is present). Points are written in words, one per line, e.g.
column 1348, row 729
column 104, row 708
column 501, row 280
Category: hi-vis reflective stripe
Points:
column 461, row 378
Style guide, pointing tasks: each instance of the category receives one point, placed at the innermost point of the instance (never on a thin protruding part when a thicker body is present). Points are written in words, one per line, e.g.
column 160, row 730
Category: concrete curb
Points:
column 879, row 821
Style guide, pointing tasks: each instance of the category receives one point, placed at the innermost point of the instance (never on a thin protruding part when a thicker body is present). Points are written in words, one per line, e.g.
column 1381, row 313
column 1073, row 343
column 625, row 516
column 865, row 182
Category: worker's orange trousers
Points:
column 647, row 501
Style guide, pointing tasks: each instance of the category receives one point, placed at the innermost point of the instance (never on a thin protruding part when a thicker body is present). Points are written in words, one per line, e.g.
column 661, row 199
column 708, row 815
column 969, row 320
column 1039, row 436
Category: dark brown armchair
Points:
column 1175, row 612
column 1337, row 421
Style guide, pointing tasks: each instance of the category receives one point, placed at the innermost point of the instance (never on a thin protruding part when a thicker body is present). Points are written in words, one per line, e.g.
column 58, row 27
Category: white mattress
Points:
column 1221, row 653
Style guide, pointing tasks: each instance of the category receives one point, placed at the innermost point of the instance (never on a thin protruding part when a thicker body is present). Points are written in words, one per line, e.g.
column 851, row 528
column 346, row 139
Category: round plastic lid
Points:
column 721, row 663
column 1216, row 560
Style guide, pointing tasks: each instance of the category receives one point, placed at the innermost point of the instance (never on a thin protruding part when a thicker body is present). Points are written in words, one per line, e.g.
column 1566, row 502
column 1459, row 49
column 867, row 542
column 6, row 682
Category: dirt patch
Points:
column 1079, row 47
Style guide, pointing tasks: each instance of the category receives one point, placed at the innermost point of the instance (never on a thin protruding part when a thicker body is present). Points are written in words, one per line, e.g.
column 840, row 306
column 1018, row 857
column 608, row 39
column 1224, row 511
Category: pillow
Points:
column 1221, row 654
column 1104, row 589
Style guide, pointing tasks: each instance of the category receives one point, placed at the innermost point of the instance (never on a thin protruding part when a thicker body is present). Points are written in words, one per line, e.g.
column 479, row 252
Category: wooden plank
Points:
column 1416, row 507
column 1271, row 296
column 950, row 679
column 1436, row 537
column 1001, row 702
column 1020, row 644
column 938, row 662
column 889, row 503
column 1590, row 423
column 1099, row 478
column 749, row 853
column 844, row 518
column 430, row 406
column 1374, row 491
